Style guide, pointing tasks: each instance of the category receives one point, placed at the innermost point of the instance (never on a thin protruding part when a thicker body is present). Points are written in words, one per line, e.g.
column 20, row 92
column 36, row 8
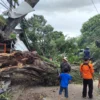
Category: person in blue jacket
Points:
column 65, row 78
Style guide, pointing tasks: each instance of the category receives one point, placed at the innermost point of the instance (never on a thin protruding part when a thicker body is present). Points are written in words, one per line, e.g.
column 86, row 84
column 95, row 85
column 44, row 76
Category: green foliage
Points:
column 91, row 29
column 5, row 96
column 47, row 42
column 12, row 36
column 90, row 33
column 76, row 77
column 42, row 36
column 58, row 58
column 2, row 21
column 49, row 61
column 74, row 59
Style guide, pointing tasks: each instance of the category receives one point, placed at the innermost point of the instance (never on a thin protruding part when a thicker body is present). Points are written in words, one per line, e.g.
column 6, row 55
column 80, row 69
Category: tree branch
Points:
column 12, row 23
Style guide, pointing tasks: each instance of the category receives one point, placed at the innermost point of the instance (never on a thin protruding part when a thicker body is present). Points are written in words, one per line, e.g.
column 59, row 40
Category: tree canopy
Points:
column 90, row 34
column 42, row 37
column 91, row 29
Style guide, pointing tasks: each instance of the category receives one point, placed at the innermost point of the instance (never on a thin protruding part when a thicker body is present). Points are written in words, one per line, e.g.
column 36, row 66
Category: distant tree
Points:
column 91, row 30
column 90, row 36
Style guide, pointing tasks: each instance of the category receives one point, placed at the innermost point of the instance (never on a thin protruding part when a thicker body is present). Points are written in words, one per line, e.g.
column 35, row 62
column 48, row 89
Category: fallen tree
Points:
column 28, row 64
column 24, row 63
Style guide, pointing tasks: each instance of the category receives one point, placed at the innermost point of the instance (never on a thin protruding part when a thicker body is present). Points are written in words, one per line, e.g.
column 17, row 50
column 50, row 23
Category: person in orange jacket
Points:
column 86, row 72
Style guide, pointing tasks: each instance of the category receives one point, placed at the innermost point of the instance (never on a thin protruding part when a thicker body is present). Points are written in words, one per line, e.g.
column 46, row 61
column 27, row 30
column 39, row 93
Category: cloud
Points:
column 66, row 15
column 1, row 10
column 69, row 23
column 63, row 5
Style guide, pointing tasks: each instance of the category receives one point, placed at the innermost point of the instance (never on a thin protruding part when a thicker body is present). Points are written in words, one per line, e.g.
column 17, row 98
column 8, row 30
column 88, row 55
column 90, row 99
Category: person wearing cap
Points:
column 64, row 65
column 86, row 72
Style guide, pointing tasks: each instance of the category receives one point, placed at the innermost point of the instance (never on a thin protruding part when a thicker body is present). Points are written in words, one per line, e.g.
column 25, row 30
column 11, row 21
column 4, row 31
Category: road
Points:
column 51, row 93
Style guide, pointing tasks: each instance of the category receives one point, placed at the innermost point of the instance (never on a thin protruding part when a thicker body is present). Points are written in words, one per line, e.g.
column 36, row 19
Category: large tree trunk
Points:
column 12, row 23
column 28, row 64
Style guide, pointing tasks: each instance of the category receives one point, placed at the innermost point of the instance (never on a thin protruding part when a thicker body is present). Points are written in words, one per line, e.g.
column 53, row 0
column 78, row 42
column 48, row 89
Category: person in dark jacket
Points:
column 64, row 65
column 87, row 53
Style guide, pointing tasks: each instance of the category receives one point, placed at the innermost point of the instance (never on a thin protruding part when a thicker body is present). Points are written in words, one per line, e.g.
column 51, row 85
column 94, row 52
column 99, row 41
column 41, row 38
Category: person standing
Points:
column 65, row 78
column 64, row 65
column 87, row 53
column 86, row 72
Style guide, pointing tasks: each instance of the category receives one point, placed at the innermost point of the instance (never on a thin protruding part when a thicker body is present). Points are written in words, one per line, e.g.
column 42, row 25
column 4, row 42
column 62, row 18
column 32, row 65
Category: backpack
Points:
column 87, row 65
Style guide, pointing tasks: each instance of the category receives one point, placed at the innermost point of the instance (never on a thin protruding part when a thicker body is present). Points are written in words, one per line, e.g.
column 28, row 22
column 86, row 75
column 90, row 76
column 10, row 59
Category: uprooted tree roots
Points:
column 27, row 67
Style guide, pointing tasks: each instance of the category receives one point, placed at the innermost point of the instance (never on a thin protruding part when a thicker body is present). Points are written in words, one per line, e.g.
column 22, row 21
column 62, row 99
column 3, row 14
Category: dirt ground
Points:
column 50, row 93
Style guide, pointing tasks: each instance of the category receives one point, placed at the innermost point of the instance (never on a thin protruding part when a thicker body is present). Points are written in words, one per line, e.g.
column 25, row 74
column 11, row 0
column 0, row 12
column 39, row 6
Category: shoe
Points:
column 90, row 97
column 84, row 97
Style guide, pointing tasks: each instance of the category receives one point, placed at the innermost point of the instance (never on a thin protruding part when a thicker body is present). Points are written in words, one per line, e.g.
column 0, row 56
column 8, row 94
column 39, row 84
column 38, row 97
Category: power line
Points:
column 95, row 6
column 4, row 3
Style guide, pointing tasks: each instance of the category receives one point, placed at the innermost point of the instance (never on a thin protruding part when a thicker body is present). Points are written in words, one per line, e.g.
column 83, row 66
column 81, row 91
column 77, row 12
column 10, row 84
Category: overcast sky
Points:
column 66, row 15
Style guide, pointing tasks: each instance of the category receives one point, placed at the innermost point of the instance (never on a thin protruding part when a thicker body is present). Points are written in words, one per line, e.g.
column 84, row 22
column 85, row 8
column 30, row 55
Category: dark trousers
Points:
column 89, row 83
column 65, row 89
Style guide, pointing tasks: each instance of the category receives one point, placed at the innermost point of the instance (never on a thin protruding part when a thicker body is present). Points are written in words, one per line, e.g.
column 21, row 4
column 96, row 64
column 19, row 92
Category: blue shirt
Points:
column 65, row 77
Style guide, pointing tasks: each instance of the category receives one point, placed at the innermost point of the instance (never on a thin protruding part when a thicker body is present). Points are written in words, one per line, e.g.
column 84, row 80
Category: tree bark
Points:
column 37, row 69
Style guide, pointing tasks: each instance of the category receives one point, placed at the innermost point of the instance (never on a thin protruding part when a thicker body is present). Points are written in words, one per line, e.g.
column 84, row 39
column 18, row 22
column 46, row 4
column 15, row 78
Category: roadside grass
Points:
column 76, row 77
column 56, row 64
column 5, row 96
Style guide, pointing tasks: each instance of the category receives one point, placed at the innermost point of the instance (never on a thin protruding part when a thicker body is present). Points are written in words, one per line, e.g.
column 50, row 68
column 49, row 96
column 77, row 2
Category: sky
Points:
column 65, row 15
